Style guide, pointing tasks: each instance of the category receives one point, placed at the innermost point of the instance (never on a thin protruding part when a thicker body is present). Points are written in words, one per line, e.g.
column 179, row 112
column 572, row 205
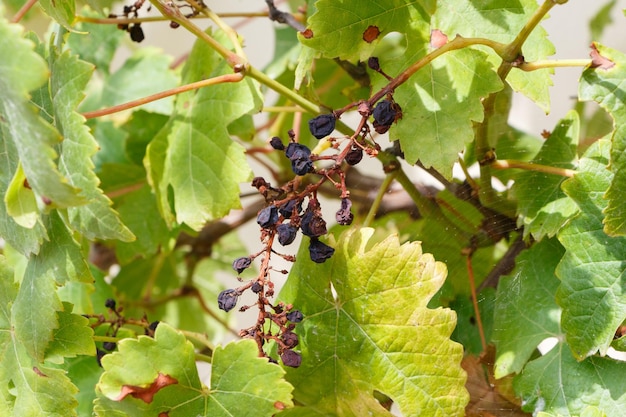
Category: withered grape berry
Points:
column 344, row 216
column 267, row 217
column 242, row 263
column 110, row 303
column 290, row 339
column 313, row 225
column 277, row 144
column 373, row 63
column 322, row 125
column 295, row 316
column 320, row 251
column 227, row 300
column 299, row 155
column 136, row 33
column 287, row 209
column 286, row 234
column 108, row 346
column 301, row 166
column 354, row 156
column 291, row 358
column 384, row 113
column 256, row 287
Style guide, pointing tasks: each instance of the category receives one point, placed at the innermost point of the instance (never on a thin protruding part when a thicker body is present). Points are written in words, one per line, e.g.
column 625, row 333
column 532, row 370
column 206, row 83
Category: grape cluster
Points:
column 131, row 12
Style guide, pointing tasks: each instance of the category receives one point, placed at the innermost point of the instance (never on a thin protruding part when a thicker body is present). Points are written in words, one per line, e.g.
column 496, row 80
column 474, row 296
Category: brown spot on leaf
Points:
column 279, row 405
column 438, row 38
column 146, row 394
column 599, row 61
column 371, row 33
column 38, row 372
column 26, row 184
column 164, row 414
column 307, row 33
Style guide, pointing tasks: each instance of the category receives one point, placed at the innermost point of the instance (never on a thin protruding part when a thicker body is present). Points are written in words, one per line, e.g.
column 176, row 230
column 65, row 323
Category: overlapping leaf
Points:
column 592, row 270
column 151, row 376
column 526, row 312
column 96, row 219
column 374, row 332
column 500, row 21
column 543, row 207
column 194, row 155
column 606, row 85
column 27, row 387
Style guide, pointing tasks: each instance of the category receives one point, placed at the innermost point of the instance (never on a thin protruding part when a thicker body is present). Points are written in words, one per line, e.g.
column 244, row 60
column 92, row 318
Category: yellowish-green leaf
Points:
column 20, row 201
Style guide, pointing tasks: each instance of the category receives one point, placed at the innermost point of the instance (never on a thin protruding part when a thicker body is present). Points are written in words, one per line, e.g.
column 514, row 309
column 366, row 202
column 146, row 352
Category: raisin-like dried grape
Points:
column 319, row 251
column 291, row 358
column 136, row 33
column 290, row 339
column 287, row 208
column 373, row 63
column 344, row 216
column 110, row 303
column 322, row 125
column 295, row 316
column 277, row 144
column 227, row 300
column 384, row 113
column 297, row 151
column 267, row 217
column 256, row 287
column 312, row 224
column 286, row 233
column 354, row 155
column 242, row 263
column 109, row 346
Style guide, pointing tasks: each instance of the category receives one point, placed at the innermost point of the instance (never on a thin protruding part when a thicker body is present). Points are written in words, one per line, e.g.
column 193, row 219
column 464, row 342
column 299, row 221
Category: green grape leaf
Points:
column 141, row 127
column 543, row 208
column 374, row 332
column 96, row 219
column 606, row 86
column 139, row 212
column 601, row 20
column 95, row 43
column 526, row 312
column 27, row 387
column 35, row 309
column 194, row 154
column 73, row 337
column 146, row 72
column 500, row 21
column 351, row 30
column 61, row 11
column 558, row 384
column 21, row 71
column 592, row 269
column 84, row 372
column 158, row 376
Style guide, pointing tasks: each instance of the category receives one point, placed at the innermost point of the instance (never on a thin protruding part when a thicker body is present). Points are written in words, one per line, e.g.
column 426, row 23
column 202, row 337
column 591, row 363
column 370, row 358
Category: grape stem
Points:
column 382, row 190
column 127, row 20
column 529, row 166
column 227, row 78
column 22, row 11
column 553, row 63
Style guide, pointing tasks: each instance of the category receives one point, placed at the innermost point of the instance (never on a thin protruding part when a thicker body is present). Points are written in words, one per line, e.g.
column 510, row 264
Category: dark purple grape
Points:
column 354, row 156
column 174, row 25
column 256, row 287
column 312, row 224
column 287, row 208
column 109, row 346
column 286, row 233
column 267, row 217
column 242, row 263
column 301, row 166
column 99, row 355
column 297, row 151
column 320, row 251
column 153, row 326
column 295, row 316
column 384, row 113
column 322, row 125
column 291, row 358
column 373, row 63
column 290, row 339
column 110, row 303
column 344, row 216
column 136, row 33
column 227, row 300
column 277, row 144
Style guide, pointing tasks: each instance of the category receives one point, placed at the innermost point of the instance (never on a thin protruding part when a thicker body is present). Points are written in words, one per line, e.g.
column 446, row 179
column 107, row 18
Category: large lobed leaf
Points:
column 159, row 377
column 606, row 84
column 193, row 156
column 592, row 270
column 543, row 208
column 367, row 329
